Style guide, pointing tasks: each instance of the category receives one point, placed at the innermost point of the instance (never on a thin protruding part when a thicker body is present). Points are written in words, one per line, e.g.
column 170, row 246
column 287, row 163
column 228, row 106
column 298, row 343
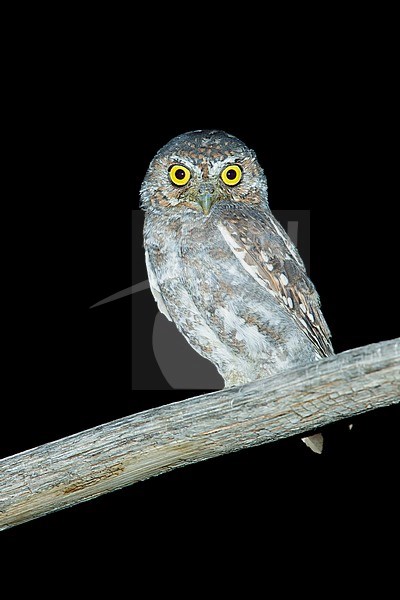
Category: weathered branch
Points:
column 117, row 454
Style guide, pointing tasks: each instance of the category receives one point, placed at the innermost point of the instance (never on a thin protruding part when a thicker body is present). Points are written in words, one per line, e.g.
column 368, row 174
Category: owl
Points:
column 221, row 267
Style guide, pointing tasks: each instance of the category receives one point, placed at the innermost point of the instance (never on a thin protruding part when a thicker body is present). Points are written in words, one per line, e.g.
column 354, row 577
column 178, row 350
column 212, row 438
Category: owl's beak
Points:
column 206, row 197
column 206, row 201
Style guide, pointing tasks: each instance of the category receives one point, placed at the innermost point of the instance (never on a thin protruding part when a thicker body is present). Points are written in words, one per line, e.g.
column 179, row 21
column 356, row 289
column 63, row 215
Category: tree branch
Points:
column 114, row 455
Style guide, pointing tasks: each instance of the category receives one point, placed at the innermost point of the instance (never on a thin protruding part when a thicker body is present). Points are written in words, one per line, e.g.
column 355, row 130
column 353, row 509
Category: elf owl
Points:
column 219, row 264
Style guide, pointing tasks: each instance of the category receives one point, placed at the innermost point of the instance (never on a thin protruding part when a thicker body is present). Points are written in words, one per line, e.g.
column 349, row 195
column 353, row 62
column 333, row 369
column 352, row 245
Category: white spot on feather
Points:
column 266, row 258
column 303, row 308
column 290, row 302
column 284, row 279
column 240, row 254
column 311, row 317
column 234, row 244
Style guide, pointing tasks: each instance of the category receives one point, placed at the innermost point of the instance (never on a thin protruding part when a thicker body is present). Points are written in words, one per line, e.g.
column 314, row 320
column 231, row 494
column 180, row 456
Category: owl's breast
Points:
column 208, row 265
column 202, row 241
column 217, row 305
column 191, row 259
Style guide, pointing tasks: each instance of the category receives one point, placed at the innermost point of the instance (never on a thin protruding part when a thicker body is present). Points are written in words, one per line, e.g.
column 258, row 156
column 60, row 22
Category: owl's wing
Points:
column 155, row 290
column 269, row 256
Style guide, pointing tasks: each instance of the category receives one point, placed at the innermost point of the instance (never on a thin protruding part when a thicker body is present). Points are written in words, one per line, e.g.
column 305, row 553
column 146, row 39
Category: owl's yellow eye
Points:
column 179, row 174
column 231, row 175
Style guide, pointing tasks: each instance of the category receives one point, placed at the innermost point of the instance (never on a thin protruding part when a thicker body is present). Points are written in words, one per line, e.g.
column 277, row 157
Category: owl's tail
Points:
column 314, row 442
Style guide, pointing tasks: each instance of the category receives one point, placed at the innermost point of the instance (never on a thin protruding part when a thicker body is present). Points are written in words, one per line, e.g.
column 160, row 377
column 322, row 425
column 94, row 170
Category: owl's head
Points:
column 197, row 170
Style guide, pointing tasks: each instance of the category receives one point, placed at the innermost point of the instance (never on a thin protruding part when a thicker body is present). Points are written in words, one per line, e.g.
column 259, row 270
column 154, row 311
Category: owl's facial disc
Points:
column 201, row 189
column 199, row 170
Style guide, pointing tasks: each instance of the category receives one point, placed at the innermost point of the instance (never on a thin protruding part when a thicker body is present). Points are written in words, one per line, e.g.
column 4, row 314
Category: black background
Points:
column 80, row 148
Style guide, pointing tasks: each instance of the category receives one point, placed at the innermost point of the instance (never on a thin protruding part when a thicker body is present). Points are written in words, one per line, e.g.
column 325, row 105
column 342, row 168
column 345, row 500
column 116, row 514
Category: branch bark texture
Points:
column 117, row 454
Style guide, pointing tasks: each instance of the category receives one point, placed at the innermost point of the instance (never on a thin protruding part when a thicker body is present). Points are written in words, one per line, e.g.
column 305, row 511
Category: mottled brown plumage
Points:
column 221, row 267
